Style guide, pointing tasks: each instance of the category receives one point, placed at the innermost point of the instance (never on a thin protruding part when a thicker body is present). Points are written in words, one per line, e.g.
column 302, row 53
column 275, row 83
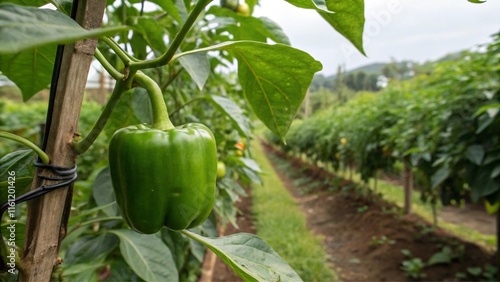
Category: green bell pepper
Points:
column 163, row 178
column 163, row 175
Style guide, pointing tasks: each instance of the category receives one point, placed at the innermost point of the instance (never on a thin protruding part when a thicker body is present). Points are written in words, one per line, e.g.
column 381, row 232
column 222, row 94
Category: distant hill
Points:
column 371, row 68
column 322, row 81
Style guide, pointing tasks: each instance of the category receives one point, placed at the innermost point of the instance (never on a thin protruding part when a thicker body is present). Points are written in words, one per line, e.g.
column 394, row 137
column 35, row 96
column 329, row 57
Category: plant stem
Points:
column 167, row 56
column 185, row 104
column 107, row 66
column 122, row 54
column 43, row 156
column 82, row 146
column 160, row 113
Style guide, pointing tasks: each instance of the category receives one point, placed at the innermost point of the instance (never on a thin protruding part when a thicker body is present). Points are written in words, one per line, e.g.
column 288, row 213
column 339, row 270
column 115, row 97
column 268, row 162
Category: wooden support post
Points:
column 408, row 185
column 48, row 215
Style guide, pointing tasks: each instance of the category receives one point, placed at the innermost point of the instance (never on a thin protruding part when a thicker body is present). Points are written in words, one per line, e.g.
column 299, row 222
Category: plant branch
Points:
column 81, row 147
column 167, row 56
column 185, row 104
column 122, row 54
column 107, row 66
column 43, row 156
column 171, row 79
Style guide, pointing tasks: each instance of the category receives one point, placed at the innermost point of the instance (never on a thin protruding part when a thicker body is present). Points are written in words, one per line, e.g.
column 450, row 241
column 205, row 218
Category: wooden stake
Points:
column 408, row 186
column 48, row 215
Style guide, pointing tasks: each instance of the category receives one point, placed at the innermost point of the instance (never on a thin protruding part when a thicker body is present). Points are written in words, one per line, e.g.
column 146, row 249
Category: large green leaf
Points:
column 30, row 70
column 23, row 28
column 88, row 248
column 147, row 255
column 345, row 16
column 234, row 112
column 274, row 78
column 249, row 256
column 348, row 19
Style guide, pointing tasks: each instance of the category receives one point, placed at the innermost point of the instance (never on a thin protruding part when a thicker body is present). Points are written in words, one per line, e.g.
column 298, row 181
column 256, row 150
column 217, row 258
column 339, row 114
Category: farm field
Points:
column 200, row 141
column 364, row 238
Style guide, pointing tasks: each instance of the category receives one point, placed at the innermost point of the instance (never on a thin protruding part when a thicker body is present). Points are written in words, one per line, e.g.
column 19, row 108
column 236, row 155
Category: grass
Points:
column 281, row 223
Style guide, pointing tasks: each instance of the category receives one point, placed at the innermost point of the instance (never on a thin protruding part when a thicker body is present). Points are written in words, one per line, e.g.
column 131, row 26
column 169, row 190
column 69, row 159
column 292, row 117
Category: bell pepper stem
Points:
column 43, row 156
column 160, row 113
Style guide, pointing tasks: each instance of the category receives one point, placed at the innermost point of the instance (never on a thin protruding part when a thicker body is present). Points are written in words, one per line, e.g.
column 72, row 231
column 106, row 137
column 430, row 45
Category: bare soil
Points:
column 353, row 230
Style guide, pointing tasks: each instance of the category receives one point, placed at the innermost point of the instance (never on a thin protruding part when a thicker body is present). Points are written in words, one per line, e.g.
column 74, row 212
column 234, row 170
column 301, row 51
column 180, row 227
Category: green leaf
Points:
column 273, row 31
column 102, row 191
column 35, row 3
column 23, row 28
column 348, row 19
column 440, row 258
column 309, row 4
column 120, row 271
column 88, row 248
column 248, row 28
column 275, row 79
column 19, row 231
column 123, row 115
column 474, row 271
column 439, row 176
column 30, row 70
column 84, row 271
column 480, row 181
column 21, row 162
column 177, row 245
column 151, row 32
column 22, row 184
column 147, row 255
column 141, row 104
column 475, row 154
column 495, row 172
column 234, row 112
column 198, row 67
column 491, row 109
column 176, row 8
column 249, row 256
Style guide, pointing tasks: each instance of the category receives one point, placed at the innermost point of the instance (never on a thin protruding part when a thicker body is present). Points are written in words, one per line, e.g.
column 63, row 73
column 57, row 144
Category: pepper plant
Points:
column 161, row 54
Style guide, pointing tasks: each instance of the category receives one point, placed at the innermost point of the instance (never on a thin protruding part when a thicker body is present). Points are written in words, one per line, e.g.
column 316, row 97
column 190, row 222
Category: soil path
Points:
column 364, row 238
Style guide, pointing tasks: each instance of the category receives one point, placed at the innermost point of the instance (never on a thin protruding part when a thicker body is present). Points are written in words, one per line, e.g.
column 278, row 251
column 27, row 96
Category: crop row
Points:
column 444, row 124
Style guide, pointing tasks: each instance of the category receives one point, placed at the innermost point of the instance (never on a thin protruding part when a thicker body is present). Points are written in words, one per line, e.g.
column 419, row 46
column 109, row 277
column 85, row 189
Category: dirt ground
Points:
column 353, row 231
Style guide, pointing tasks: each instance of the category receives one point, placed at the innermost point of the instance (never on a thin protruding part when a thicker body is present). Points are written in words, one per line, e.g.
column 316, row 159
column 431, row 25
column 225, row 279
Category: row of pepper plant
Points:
column 178, row 55
column 444, row 123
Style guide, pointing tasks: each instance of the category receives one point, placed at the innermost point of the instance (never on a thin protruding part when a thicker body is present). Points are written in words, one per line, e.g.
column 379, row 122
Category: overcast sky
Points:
column 400, row 29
